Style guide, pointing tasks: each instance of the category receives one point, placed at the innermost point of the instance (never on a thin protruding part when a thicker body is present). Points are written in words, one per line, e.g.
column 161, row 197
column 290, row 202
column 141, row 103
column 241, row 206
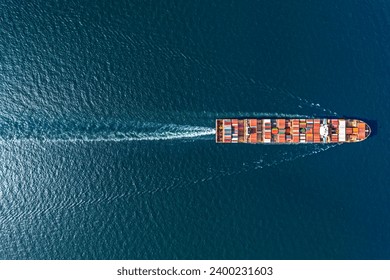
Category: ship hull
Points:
column 291, row 131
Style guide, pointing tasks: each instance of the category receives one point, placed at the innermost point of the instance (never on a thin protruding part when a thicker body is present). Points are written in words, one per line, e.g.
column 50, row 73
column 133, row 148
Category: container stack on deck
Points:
column 334, row 138
column 316, row 129
column 302, row 130
column 361, row 130
column 267, row 131
column 241, row 131
column 259, row 129
column 342, row 131
column 234, row 130
column 253, row 129
column 281, row 125
column 309, row 130
column 227, row 129
column 295, row 130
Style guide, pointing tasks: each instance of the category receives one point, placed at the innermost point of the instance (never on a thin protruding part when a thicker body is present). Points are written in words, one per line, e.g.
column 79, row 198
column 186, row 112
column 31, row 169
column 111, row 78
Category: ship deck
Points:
column 281, row 131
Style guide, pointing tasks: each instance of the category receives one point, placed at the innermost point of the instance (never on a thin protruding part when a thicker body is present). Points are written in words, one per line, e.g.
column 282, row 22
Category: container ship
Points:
column 291, row 131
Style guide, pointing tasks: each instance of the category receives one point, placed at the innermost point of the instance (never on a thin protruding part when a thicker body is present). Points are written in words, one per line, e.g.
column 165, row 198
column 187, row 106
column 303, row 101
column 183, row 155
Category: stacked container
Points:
column 335, row 126
column 316, row 131
column 302, row 135
column 342, row 131
column 227, row 131
column 281, row 125
column 295, row 130
column 234, row 130
column 361, row 130
column 241, row 131
column 253, row 127
column 266, row 130
column 309, row 130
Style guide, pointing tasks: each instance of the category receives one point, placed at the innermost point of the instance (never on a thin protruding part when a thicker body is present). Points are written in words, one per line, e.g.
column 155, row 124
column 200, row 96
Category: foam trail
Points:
column 83, row 131
column 180, row 133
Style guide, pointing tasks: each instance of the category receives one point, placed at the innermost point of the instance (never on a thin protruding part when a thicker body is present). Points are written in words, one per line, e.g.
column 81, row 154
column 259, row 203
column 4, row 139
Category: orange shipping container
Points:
column 253, row 138
column 253, row 122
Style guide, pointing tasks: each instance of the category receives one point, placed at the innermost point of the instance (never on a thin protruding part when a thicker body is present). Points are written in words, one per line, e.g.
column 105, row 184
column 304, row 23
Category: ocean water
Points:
column 107, row 114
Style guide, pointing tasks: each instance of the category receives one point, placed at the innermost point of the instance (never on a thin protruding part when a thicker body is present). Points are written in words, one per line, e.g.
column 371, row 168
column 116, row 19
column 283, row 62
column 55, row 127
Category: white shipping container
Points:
column 342, row 134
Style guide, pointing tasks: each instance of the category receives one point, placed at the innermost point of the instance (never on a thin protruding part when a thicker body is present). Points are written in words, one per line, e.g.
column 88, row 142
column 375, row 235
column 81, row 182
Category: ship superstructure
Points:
column 282, row 131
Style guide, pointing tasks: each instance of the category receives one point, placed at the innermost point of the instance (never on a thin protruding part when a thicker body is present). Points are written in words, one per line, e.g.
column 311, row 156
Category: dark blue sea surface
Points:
column 107, row 112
